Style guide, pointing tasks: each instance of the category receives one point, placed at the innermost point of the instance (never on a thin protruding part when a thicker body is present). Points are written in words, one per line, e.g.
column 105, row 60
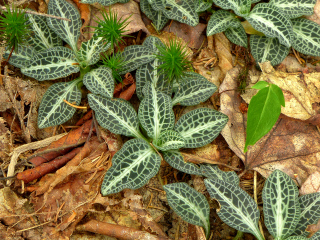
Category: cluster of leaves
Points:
column 286, row 215
column 279, row 24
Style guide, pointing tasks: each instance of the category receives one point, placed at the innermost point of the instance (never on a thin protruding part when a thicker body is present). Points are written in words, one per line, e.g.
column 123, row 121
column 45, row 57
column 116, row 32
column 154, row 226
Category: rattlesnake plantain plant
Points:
column 286, row 215
column 278, row 21
column 44, row 58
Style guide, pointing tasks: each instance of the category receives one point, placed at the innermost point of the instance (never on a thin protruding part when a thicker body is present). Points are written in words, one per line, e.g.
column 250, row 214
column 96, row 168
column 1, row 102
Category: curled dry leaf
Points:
column 4, row 140
column 311, row 185
column 301, row 92
column 223, row 50
column 84, row 13
column 291, row 146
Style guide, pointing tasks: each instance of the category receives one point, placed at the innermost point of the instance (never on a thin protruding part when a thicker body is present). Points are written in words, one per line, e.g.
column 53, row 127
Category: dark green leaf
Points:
column 280, row 205
column 294, row 8
column 132, row 167
column 237, row 35
column 213, row 172
column 21, row 57
column 189, row 204
column 200, row 126
column 53, row 110
column 220, row 21
column 240, row 7
column 158, row 19
column 169, row 140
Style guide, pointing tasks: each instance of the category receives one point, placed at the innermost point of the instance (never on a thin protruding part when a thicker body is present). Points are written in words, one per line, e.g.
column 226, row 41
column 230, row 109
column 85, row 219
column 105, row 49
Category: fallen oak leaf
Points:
column 117, row 231
column 45, row 168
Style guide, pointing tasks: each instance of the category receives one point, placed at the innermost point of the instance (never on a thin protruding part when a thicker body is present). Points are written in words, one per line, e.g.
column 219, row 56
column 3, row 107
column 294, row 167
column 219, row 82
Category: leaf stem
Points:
column 238, row 236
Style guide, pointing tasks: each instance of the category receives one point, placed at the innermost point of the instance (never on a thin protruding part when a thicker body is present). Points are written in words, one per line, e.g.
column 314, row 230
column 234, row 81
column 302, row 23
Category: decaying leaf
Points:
column 223, row 50
column 291, row 146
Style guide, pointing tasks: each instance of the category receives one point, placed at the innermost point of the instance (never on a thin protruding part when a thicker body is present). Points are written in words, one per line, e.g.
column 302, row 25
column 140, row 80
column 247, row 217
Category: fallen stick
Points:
column 45, row 168
column 117, row 231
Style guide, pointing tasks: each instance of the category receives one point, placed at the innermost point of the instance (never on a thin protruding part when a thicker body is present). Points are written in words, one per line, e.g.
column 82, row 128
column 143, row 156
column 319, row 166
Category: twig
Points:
column 38, row 14
column 72, row 105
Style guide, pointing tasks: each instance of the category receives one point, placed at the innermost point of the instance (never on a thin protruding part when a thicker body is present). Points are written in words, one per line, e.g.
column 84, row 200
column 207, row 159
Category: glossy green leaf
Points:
column 200, row 126
column 43, row 37
column 269, row 20
column 169, row 140
column 155, row 112
column 89, row 52
column 175, row 160
column 315, row 236
column 105, row 2
column 237, row 35
column 189, row 204
column 134, row 56
column 220, row 21
column 261, row 84
column 158, row 19
column 264, row 111
column 53, row 110
column 202, row 5
column 194, row 89
column 66, row 30
column 294, row 8
column 213, row 172
column 51, row 64
column 100, row 81
column 310, row 213
column 265, row 49
column 116, row 115
column 181, row 11
column 280, row 205
column 240, row 7
column 21, row 57
column 306, row 37
column 132, row 167
column 149, row 73
column 238, row 209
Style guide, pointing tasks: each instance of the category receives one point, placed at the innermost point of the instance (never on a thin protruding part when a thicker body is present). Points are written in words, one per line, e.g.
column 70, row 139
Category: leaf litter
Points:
column 61, row 200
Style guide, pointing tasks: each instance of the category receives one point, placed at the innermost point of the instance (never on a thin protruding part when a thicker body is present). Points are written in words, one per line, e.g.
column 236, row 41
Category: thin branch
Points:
column 38, row 14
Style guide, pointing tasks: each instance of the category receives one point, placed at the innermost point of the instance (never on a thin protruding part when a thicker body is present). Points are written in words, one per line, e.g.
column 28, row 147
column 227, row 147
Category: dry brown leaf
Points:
column 291, row 146
column 223, row 50
column 123, row 10
column 311, row 185
column 4, row 140
column 84, row 13
column 194, row 36
column 301, row 92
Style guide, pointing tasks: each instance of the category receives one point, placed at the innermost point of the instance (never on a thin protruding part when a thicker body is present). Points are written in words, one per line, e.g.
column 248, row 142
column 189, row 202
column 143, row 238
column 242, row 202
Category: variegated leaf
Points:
column 132, row 167
column 297, row 238
column 306, row 37
column 105, row 2
column 159, row 20
column 237, row 35
column 155, row 112
column 310, row 213
column 53, row 110
column 149, row 73
column 315, row 236
column 169, row 140
column 116, row 115
column 175, row 160
column 294, row 8
column 280, row 205
column 213, row 172
column 152, row 42
column 267, row 49
column 220, row 21
column 189, row 204
column 202, row 5
column 43, row 37
column 194, row 89
column 68, row 31
column 89, row 52
column 181, row 11
column 269, row 20
column 200, row 126
column 134, row 56
column 21, row 57
column 237, row 208
column 51, row 64
column 157, row 5
column 240, row 7
column 100, row 81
